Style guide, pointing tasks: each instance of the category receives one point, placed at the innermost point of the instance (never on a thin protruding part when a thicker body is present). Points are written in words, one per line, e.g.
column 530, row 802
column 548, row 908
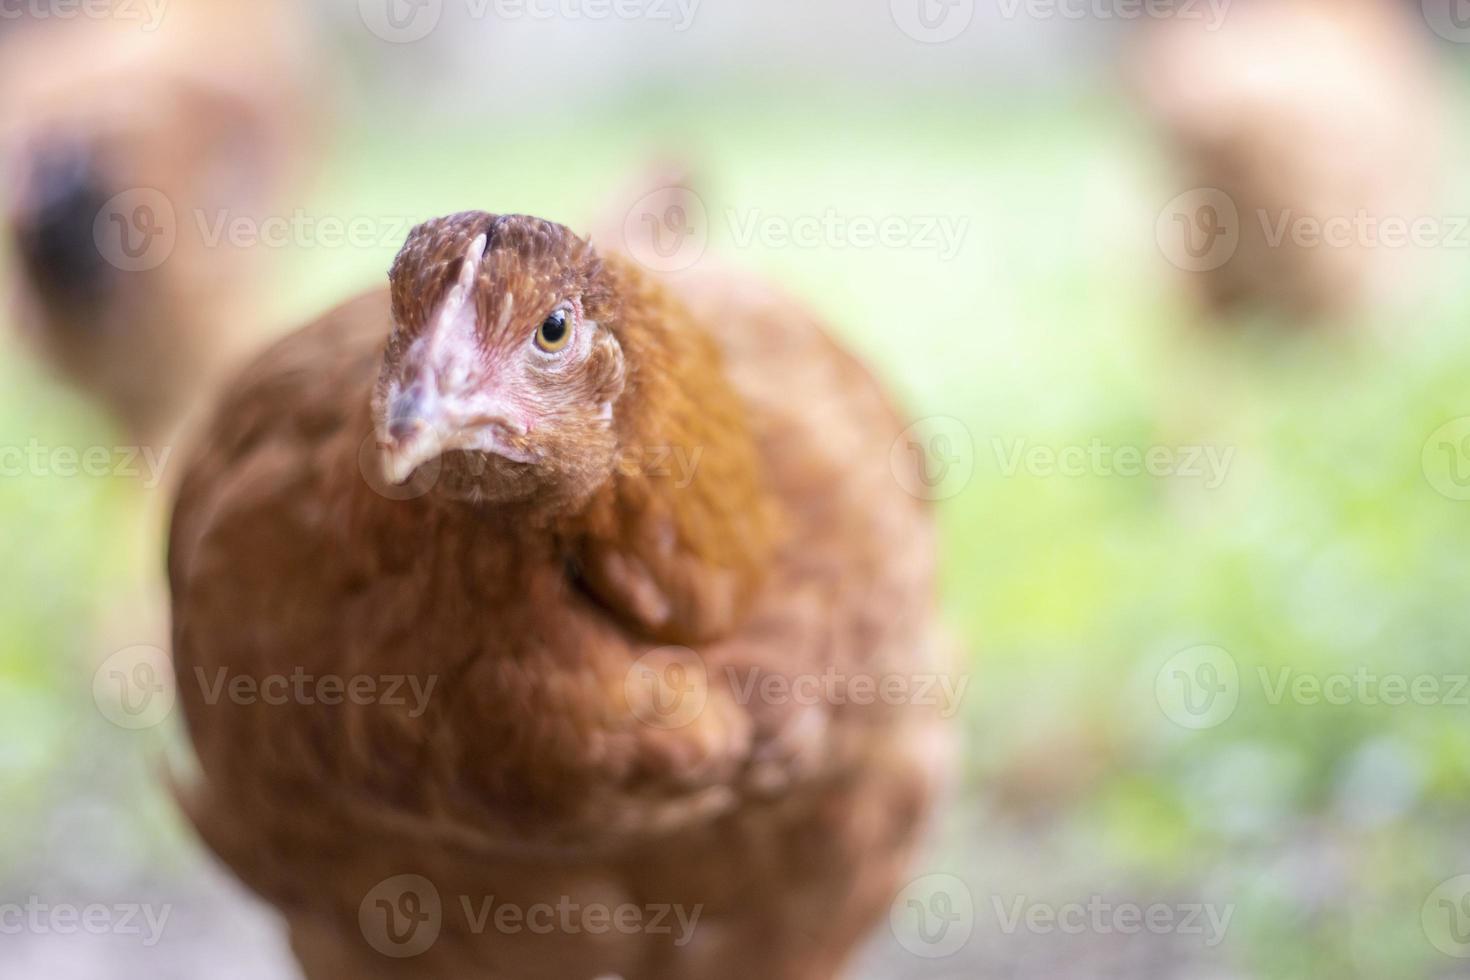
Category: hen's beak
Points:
column 414, row 432
column 422, row 425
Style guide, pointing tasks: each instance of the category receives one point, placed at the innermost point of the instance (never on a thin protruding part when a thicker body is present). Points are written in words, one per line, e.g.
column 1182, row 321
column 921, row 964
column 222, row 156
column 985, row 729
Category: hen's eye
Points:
column 554, row 333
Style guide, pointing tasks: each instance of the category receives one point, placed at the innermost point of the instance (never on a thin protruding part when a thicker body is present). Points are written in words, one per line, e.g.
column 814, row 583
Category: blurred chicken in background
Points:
column 127, row 144
column 1306, row 124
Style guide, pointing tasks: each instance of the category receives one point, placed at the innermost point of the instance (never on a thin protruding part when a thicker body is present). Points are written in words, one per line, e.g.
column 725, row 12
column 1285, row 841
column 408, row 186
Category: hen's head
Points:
column 501, row 368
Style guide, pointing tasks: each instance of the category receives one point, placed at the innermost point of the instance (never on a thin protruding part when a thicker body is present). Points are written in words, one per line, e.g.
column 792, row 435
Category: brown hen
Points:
column 129, row 144
column 492, row 498
column 1305, row 132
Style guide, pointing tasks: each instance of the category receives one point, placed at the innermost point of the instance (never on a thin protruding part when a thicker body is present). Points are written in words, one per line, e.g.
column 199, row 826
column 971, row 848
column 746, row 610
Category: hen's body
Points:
column 541, row 773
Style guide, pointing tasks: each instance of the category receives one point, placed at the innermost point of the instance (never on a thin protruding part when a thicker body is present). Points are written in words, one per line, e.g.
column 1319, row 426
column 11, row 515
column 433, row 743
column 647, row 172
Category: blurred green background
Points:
column 1325, row 550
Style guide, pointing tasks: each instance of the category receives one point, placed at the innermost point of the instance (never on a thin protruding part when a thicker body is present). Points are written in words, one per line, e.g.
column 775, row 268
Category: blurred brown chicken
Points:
column 1311, row 126
column 124, row 141
column 488, row 500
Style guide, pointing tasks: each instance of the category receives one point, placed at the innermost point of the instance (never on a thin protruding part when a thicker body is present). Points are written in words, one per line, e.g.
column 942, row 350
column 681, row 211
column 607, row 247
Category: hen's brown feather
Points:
column 536, row 772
